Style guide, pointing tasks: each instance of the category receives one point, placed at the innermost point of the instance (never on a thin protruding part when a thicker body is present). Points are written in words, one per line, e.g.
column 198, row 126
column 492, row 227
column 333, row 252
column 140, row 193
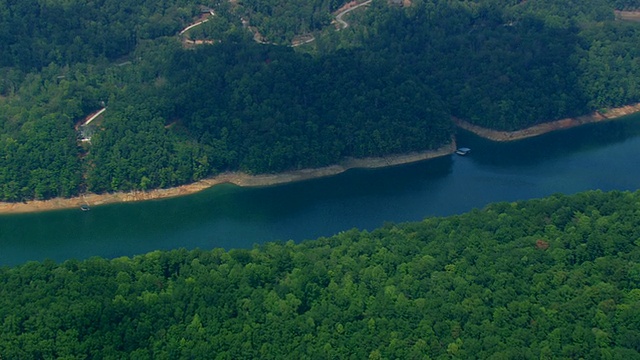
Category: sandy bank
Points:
column 544, row 128
column 243, row 179
column 238, row 178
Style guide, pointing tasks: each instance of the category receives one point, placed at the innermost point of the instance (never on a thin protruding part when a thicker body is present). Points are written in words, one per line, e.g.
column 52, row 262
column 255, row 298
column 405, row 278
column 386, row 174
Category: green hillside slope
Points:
column 556, row 278
column 179, row 111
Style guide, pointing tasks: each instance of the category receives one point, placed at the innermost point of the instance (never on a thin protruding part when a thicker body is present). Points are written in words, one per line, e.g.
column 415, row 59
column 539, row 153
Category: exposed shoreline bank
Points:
column 562, row 124
column 237, row 178
column 243, row 179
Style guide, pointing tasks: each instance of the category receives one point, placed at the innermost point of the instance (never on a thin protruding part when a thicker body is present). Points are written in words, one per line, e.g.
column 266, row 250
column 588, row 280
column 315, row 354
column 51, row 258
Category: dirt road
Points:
column 343, row 23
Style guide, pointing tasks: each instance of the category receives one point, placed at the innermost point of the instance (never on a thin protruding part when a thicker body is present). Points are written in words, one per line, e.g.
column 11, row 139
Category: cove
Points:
column 597, row 156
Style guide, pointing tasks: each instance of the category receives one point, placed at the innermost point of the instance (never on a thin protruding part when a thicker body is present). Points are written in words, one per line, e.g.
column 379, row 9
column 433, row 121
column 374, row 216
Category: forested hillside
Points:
column 263, row 109
column 35, row 33
column 556, row 278
column 279, row 21
column 387, row 84
column 508, row 65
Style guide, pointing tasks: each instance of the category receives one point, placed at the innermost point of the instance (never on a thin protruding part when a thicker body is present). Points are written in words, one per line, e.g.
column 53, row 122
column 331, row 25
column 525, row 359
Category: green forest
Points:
column 552, row 278
column 389, row 83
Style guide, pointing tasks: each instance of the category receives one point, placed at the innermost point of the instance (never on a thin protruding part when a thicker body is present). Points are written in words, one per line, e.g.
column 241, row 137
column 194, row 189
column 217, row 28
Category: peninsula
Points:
column 388, row 83
column 249, row 180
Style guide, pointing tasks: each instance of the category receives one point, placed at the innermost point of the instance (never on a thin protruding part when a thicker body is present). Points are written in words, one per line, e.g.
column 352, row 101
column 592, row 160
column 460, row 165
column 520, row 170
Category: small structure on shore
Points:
column 85, row 128
column 463, row 151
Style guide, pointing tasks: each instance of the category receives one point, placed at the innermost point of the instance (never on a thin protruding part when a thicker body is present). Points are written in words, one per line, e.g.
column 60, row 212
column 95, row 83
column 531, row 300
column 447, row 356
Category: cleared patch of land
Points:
column 628, row 15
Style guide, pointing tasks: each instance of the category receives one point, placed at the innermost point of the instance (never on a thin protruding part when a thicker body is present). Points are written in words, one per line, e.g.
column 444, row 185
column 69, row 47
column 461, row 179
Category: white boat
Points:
column 463, row 151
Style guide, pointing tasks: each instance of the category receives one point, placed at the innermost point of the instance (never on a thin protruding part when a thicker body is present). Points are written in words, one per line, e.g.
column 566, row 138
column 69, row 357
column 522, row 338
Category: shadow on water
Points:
column 558, row 144
column 286, row 200
column 270, row 203
column 229, row 216
column 224, row 216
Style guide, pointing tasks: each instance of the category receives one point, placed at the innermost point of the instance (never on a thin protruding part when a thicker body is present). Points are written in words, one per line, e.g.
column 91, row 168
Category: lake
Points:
column 598, row 156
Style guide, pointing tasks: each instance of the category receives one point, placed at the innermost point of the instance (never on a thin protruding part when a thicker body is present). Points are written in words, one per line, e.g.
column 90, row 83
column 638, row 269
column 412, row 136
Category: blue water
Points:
column 602, row 156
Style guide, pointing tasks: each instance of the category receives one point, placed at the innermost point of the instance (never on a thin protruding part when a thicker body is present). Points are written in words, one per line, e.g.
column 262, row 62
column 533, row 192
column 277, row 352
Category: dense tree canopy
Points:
column 509, row 66
column 387, row 84
column 551, row 278
column 35, row 33
column 626, row 4
column 279, row 21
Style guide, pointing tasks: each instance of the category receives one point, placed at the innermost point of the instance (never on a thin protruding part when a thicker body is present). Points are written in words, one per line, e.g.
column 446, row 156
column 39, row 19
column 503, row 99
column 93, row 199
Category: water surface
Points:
column 599, row 156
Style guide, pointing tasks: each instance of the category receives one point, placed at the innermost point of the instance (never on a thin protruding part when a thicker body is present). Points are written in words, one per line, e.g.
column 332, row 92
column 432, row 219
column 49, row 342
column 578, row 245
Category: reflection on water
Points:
column 591, row 157
column 535, row 150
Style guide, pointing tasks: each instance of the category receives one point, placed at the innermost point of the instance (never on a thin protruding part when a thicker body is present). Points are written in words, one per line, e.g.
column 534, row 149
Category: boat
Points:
column 85, row 207
column 463, row 151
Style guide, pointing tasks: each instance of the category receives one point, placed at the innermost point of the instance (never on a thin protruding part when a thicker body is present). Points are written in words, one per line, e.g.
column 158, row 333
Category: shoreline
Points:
column 536, row 130
column 236, row 178
column 247, row 180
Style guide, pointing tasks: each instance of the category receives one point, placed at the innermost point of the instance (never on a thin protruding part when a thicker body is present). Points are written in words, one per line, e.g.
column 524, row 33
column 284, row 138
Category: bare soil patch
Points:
column 628, row 15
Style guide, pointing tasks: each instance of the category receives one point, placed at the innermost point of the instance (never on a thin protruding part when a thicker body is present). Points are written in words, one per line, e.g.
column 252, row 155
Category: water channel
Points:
column 599, row 156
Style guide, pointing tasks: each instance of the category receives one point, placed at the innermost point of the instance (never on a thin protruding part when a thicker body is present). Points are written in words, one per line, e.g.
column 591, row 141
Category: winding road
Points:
column 339, row 19
column 343, row 23
column 196, row 24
